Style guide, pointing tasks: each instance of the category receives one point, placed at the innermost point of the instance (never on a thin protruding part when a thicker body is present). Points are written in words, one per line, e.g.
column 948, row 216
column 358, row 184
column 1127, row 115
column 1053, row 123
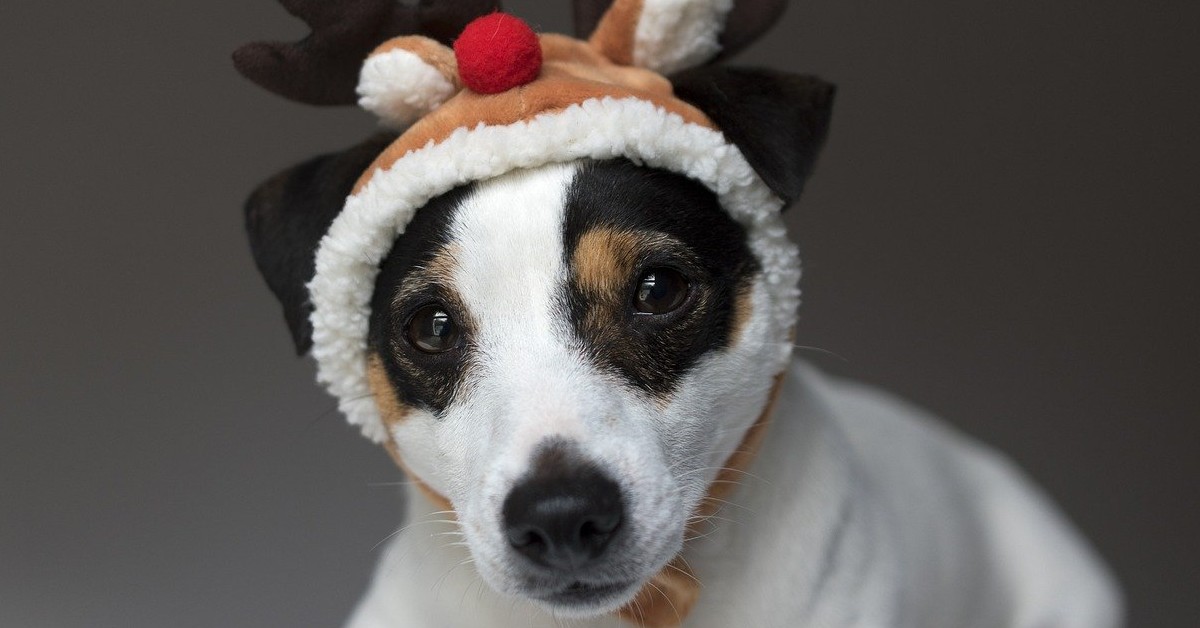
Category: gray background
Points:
column 1003, row 228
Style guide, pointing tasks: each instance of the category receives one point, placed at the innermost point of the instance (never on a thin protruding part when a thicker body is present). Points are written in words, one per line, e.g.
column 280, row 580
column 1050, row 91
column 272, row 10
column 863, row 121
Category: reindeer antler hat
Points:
column 505, row 98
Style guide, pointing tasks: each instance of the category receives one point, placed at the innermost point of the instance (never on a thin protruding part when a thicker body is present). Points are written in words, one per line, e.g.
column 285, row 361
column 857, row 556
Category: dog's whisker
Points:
column 420, row 560
column 699, row 537
column 690, row 576
column 387, row 538
column 637, row 605
column 323, row 414
column 668, row 598
column 713, row 529
column 479, row 588
column 683, row 559
column 412, row 525
column 747, row 474
column 694, row 518
column 462, row 600
column 397, row 532
column 710, row 518
column 438, row 583
column 704, row 469
column 334, row 408
column 726, row 502
column 388, row 484
column 821, row 351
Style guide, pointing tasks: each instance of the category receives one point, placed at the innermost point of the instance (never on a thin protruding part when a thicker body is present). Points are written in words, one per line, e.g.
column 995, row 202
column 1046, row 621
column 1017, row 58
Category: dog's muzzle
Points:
column 561, row 520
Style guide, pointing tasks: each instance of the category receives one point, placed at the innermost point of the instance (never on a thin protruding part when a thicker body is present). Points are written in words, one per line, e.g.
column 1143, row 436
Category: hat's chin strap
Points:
column 668, row 597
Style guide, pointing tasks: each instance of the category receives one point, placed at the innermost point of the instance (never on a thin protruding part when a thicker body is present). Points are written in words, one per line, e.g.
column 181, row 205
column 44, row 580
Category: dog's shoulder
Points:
column 943, row 494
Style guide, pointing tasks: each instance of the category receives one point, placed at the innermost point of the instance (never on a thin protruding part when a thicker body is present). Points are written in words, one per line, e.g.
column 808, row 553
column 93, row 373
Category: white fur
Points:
column 348, row 257
column 674, row 35
column 859, row 511
column 399, row 87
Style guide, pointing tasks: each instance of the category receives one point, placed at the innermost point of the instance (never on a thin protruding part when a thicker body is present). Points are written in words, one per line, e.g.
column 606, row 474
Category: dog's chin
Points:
column 582, row 600
column 581, row 597
column 591, row 595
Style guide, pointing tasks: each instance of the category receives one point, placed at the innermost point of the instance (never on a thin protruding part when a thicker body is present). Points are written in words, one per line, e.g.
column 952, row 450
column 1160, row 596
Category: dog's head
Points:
column 569, row 353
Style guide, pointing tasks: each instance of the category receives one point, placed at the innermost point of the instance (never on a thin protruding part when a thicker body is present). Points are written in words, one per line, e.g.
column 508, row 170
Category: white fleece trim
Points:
column 674, row 35
column 399, row 87
column 349, row 255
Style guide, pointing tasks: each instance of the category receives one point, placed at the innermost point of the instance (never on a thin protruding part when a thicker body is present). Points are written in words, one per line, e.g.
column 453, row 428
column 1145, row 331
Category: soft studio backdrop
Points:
column 1003, row 229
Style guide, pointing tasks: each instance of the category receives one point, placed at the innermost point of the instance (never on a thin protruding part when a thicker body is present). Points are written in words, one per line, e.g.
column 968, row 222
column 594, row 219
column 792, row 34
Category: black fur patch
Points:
column 408, row 279
column 288, row 214
column 778, row 120
column 677, row 223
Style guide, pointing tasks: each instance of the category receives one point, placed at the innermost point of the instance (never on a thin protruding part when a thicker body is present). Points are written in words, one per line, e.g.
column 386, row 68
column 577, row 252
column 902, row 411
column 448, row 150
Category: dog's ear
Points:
column 288, row 214
column 778, row 120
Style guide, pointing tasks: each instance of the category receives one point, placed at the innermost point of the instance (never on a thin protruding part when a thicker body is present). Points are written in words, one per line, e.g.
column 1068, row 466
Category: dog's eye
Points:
column 432, row 330
column 660, row 290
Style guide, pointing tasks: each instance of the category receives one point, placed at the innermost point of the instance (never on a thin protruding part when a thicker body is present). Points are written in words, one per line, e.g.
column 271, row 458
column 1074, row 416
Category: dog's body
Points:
column 566, row 309
column 859, row 511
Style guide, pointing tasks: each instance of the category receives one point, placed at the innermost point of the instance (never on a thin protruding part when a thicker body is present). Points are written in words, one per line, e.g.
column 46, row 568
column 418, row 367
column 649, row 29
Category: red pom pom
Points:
column 497, row 52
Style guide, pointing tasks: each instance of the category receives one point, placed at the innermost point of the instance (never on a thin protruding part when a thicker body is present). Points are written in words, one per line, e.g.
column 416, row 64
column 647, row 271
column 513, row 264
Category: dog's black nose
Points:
column 565, row 514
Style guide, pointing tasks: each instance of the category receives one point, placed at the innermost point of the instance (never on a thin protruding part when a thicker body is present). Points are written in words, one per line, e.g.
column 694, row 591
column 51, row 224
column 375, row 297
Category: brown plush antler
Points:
column 746, row 22
column 322, row 68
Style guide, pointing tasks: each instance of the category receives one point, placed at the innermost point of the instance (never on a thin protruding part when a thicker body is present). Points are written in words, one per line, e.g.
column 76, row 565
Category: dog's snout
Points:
column 564, row 518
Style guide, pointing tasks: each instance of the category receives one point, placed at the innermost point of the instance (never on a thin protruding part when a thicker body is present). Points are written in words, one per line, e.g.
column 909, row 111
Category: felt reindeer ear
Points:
column 406, row 78
column 672, row 35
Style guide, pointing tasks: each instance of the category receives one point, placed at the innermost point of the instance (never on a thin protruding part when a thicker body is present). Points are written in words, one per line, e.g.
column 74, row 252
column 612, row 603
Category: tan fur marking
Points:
column 394, row 412
column 603, row 258
column 390, row 408
column 743, row 307
column 614, row 35
column 667, row 599
column 438, row 270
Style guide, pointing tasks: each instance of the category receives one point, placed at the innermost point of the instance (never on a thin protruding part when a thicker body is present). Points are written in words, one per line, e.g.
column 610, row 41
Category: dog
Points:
column 581, row 366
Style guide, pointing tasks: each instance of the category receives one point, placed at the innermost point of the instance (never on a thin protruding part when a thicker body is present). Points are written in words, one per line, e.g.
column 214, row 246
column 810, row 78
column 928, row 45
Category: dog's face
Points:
column 569, row 354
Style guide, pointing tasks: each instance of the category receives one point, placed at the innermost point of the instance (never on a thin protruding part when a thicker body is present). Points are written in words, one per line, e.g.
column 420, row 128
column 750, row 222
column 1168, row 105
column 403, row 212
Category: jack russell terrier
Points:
column 561, row 295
